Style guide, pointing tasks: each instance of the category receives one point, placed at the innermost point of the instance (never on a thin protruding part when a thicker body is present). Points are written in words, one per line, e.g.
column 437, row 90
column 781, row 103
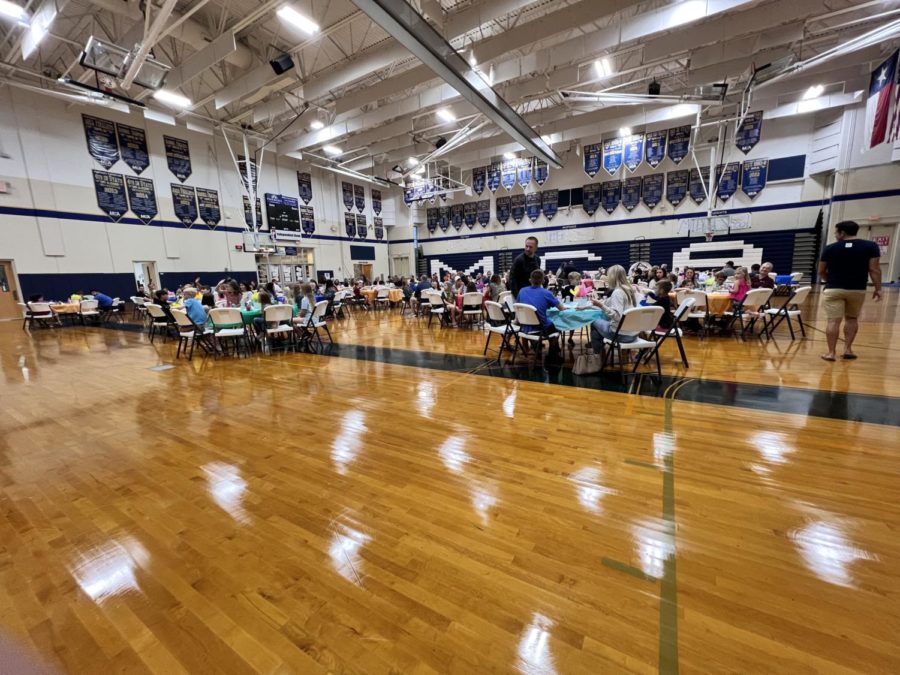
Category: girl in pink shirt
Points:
column 740, row 285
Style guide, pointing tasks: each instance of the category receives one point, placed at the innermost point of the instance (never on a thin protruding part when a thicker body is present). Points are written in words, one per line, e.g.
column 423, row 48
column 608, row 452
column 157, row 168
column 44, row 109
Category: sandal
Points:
column 849, row 357
column 826, row 357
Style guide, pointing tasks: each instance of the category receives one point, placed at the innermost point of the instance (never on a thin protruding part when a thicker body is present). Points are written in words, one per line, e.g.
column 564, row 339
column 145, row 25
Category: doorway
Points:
column 363, row 270
column 886, row 238
column 401, row 265
column 9, row 292
column 145, row 274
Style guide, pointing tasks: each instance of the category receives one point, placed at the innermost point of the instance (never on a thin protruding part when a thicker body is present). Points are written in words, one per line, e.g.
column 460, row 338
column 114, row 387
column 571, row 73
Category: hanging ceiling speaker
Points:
column 654, row 89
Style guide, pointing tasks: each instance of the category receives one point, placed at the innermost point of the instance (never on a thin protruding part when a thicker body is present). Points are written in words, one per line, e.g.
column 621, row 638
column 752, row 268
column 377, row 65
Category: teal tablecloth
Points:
column 574, row 319
column 249, row 314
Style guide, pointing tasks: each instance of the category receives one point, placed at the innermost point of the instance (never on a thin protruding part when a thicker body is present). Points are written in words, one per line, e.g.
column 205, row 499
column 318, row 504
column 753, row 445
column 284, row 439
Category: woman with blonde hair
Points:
column 623, row 297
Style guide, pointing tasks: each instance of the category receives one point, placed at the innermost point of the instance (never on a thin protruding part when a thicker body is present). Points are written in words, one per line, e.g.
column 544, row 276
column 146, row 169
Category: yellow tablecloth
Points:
column 66, row 308
column 719, row 303
column 394, row 294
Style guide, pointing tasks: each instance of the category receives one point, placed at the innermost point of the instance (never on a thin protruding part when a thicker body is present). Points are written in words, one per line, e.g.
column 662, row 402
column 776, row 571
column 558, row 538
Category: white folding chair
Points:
column 796, row 277
column 382, row 298
column 753, row 307
column 503, row 296
column 89, row 309
column 158, row 321
column 337, row 305
column 26, row 314
column 498, row 322
column 317, row 321
column 472, row 306
column 228, row 324
column 138, row 310
column 700, row 308
column 526, row 317
column 190, row 333
column 790, row 309
column 634, row 321
column 675, row 331
column 436, row 307
column 278, row 322
column 41, row 312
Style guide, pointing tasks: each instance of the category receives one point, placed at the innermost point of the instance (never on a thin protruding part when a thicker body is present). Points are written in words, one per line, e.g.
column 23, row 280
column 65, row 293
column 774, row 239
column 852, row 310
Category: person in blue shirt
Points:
column 104, row 301
column 423, row 285
column 541, row 299
column 193, row 307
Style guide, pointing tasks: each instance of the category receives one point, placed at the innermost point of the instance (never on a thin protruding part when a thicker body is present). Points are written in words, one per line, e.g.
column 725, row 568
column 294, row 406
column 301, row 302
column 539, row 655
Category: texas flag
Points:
column 881, row 103
column 894, row 130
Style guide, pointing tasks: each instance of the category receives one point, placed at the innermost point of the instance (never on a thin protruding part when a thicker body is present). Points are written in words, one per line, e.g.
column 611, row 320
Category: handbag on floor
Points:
column 587, row 363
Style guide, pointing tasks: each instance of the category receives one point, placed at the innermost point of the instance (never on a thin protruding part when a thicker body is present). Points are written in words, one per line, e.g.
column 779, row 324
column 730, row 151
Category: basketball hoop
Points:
column 709, row 235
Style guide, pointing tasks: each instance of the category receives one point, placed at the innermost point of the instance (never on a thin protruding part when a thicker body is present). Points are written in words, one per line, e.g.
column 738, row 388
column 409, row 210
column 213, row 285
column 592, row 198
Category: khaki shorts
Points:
column 843, row 304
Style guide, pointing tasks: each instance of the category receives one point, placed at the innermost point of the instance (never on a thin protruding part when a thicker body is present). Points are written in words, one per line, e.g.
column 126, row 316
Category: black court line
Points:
column 848, row 407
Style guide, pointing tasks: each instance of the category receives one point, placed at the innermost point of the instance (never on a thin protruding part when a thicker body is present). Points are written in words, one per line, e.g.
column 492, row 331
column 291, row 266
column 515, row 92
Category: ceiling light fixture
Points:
column 413, row 161
column 603, row 67
column 12, row 10
column 171, row 98
column 446, row 115
column 332, row 150
column 814, row 91
column 295, row 18
column 624, row 131
column 317, row 124
column 509, row 155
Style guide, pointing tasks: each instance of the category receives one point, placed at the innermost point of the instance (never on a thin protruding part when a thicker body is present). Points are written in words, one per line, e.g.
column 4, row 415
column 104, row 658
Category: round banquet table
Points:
column 719, row 303
column 370, row 294
column 249, row 314
column 572, row 318
column 394, row 294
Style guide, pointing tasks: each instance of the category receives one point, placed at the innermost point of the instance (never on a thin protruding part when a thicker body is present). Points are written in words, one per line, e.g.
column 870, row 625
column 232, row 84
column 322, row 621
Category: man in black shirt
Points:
column 522, row 267
column 844, row 267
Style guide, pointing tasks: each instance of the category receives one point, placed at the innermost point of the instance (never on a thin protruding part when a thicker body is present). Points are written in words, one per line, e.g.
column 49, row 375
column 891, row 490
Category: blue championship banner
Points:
column 378, row 226
column 503, row 208
column 533, row 206
column 361, row 230
column 652, row 190
column 727, row 180
column 747, row 135
column 350, row 224
column 517, row 208
column 408, row 195
column 591, row 198
column 631, row 193
column 633, row 151
column 304, row 184
column 457, row 214
column 376, row 201
column 248, row 217
column 431, row 219
column 479, row 178
column 470, row 214
column 611, row 195
column 753, row 176
column 493, row 177
column 508, row 173
column 347, row 197
column 307, row 219
column 523, row 171
column 208, row 207
column 133, row 145
column 679, row 143
column 655, row 146
column 359, row 198
column 612, row 155
column 677, row 186
column 178, row 157
column 550, row 203
column 110, row 189
column 184, row 201
column 592, row 158
column 141, row 197
column 541, row 171
column 698, row 184
column 101, row 140
column 483, row 209
column 443, row 217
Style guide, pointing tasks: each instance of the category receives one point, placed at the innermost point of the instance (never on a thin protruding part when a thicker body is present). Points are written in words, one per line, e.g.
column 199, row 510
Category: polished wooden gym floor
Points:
column 398, row 505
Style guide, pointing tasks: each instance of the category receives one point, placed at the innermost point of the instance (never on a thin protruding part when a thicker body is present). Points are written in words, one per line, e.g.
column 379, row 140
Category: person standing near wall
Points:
column 844, row 266
column 522, row 267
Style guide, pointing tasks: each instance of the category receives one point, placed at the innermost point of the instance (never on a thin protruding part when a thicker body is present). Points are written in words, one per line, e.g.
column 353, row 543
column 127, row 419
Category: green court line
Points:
column 668, row 590
column 628, row 569
column 644, row 465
